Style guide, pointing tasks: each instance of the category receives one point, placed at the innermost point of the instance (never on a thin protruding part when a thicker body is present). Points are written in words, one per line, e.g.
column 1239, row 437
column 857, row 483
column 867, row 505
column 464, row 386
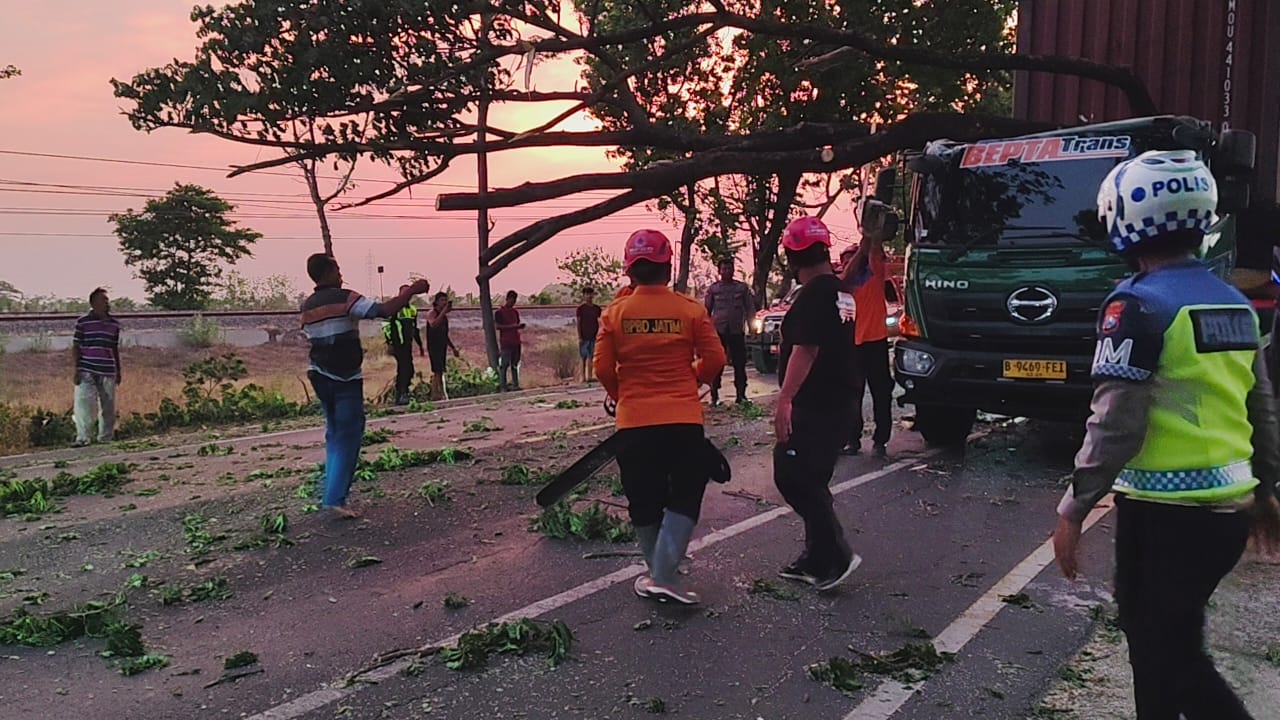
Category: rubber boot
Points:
column 673, row 541
column 647, row 537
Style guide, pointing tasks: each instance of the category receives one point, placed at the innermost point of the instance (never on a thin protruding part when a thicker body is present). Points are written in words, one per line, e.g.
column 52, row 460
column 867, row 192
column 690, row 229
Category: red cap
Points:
column 648, row 245
column 805, row 232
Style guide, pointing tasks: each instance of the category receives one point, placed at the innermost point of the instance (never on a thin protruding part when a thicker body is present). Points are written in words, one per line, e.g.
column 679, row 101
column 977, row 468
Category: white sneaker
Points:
column 665, row 593
column 643, row 586
column 828, row 583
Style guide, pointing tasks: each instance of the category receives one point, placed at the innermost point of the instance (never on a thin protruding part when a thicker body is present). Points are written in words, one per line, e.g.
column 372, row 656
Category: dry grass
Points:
column 43, row 379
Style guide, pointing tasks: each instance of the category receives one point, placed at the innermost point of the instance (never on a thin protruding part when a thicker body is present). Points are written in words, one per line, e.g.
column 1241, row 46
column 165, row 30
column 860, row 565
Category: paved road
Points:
column 943, row 537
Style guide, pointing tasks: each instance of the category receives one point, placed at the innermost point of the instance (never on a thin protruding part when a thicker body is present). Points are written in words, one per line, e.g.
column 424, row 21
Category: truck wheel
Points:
column 763, row 362
column 945, row 426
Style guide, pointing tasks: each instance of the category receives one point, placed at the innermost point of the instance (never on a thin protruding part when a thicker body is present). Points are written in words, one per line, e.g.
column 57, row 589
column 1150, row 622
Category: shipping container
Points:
column 1217, row 60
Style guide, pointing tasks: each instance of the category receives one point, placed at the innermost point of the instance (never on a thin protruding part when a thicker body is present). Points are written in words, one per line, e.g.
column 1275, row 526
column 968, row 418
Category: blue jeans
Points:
column 343, row 406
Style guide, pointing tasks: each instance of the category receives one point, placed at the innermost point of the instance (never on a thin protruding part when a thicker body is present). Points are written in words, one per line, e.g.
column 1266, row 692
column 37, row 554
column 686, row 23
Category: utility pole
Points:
column 482, row 215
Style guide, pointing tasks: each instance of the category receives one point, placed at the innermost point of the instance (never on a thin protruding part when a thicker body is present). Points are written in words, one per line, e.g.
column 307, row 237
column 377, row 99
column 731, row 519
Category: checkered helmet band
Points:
column 1156, row 193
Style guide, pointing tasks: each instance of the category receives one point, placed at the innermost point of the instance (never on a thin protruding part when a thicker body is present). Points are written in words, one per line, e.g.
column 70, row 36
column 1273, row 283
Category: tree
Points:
column 290, row 73
column 9, row 71
column 274, row 292
column 591, row 267
column 179, row 243
column 400, row 82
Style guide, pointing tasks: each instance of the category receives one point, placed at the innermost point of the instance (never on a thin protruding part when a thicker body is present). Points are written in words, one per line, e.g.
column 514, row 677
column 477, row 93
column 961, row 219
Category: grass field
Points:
column 43, row 379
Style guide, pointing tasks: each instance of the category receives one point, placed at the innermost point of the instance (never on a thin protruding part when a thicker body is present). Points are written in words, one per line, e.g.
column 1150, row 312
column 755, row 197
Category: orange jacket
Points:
column 654, row 349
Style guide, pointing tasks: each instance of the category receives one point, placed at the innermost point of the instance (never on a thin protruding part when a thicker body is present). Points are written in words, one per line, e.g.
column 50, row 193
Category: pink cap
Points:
column 648, row 245
column 805, row 232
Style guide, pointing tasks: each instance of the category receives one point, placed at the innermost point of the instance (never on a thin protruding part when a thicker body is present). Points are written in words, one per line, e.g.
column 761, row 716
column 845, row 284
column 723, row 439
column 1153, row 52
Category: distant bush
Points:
column 14, row 427
column 462, row 379
column 211, row 396
column 561, row 352
column 201, row 332
column 47, row 428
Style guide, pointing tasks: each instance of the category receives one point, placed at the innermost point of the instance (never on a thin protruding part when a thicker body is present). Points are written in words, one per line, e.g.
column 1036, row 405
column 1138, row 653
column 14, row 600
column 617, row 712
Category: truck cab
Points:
column 1008, row 266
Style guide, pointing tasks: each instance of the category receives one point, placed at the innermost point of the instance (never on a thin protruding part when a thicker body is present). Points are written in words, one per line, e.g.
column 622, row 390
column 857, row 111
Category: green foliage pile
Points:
column 562, row 522
column 911, row 663
column 96, row 619
column 516, row 637
column 34, row 497
column 520, row 474
column 215, row 588
column 394, row 458
column 376, row 436
column 199, row 540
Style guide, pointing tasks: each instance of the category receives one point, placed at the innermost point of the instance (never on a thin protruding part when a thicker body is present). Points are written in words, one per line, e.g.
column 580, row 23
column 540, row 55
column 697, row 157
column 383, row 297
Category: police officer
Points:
column 401, row 332
column 731, row 305
column 654, row 348
column 1183, row 430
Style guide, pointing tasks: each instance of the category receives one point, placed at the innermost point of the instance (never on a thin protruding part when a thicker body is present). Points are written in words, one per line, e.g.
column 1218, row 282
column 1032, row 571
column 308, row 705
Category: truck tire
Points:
column 763, row 361
column 943, row 425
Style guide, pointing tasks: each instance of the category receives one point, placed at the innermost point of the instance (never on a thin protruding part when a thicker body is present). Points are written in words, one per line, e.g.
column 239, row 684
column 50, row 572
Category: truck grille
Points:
column 981, row 321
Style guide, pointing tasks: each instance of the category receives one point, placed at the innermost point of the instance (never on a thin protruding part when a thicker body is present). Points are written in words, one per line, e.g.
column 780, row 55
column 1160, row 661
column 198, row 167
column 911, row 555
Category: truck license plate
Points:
column 1036, row 369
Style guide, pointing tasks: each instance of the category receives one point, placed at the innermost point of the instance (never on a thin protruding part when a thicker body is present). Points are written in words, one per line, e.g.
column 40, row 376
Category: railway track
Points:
column 10, row 318
column 57, row 324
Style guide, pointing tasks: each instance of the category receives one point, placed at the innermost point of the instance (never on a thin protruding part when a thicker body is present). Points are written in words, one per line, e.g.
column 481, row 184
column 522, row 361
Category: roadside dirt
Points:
column 286, row 592
column 1243, row 637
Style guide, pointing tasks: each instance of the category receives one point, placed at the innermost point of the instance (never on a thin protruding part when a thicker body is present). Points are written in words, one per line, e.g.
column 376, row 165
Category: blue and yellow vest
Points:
column 1196, row 339
column 399, row 330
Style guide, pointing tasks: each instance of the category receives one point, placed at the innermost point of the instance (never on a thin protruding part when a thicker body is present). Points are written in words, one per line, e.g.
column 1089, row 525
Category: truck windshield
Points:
column 1013, row 205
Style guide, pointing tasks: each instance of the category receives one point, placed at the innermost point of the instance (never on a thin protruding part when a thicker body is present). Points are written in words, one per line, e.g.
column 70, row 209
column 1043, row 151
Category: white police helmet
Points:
column 1158, row 192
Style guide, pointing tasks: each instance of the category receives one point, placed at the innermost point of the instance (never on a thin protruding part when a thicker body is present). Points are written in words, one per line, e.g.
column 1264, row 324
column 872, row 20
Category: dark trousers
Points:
column 802, row 469
column 509, row 359
column 661, row 471
column 404, row 368
column 735, row 346
column 1169, row 560
column 871, row 369
column 343, row 407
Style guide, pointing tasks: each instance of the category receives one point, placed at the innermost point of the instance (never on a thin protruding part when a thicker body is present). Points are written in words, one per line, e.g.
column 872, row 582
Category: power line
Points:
column 148, row 163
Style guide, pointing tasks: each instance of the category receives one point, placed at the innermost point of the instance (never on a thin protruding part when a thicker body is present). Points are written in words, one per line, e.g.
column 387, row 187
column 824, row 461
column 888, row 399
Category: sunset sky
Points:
column 58, row 240
column 53, row 211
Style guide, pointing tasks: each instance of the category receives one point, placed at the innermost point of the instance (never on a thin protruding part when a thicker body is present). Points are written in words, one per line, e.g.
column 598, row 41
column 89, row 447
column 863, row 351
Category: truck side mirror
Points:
column 1236, row 152
column 885, row 181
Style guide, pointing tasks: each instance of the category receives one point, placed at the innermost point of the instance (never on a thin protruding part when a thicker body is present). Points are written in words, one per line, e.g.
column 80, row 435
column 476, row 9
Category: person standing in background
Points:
column 730, row 304
column 439, row 343
column 95, row 350
column 864, row 270
column 401, row 333
column 507, row 321
column 587, row 320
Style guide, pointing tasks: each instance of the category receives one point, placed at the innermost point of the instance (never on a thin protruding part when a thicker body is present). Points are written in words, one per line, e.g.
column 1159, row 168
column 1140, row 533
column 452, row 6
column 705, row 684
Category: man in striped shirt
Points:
column 331, row 320
column 96, row 349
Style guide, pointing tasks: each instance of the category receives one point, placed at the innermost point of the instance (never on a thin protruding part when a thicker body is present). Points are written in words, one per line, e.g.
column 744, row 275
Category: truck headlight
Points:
column 915, row 362
column 757, row 326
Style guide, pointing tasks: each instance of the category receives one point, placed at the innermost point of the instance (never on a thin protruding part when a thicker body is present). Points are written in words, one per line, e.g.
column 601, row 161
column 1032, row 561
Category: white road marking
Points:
column 324, row 696
column 891, row 695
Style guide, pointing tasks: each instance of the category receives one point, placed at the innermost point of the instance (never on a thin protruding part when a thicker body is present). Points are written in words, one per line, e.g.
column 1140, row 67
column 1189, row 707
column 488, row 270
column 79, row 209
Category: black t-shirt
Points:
column 822, row 315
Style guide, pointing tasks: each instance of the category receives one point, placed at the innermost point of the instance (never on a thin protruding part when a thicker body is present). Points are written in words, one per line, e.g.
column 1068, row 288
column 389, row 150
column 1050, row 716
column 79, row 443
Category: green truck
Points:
column 1007, row 265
